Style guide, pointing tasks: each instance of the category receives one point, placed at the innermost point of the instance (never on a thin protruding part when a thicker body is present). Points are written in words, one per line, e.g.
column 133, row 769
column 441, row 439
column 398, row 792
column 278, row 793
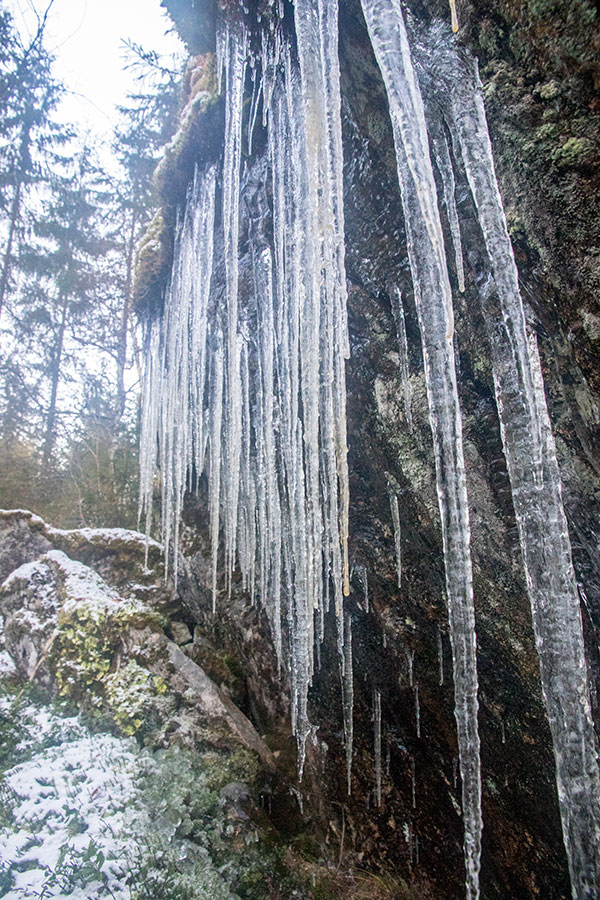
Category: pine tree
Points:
column 147, row 122
column 29, row 96
column 68, row 404
column 57, row 306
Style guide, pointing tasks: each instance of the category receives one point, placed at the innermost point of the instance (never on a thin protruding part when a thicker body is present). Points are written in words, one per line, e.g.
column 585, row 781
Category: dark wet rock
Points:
column 181, row 633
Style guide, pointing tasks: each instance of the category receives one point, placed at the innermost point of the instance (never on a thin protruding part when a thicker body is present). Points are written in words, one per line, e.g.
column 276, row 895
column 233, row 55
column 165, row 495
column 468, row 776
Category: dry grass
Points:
column 329, row 883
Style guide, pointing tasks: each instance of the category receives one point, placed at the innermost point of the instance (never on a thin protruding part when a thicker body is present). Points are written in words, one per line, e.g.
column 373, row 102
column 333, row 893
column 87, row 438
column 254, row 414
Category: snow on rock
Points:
column 22, row 539
column 105, row 536
column 30, row 600
column 81, row 582
column 122, row 555
column 66, row 627
column 29, row 604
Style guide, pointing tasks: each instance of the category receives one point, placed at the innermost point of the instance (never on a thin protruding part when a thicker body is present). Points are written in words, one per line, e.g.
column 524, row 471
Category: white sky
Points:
column 86, row 38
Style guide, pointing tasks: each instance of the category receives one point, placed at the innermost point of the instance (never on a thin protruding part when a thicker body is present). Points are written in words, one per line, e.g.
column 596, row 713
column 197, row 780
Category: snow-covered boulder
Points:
column 31, row 598
column 22, row 539
column 92, row 630
column 126, row 560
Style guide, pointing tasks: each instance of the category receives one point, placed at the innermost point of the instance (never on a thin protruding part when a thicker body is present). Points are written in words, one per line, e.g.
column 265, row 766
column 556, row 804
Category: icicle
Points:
column 410, row 659
column 444, row 165
column 408, row 837
column 317, row 34
column 299, row 799
column 235, row 73
column 304, row 135
column 256, row 92
column 413, row 782
column 454, row 17
column 151, row 402
column 222, row 49
column 270, row 52
column 536, row 490
column 417, row 710
column 361, row 571
column 377, row 743
column 399, row 319
column 440, row 651
column 433, row 300
column 397, row 532
column 257, row 393
column 214, row 486
column 176, row 365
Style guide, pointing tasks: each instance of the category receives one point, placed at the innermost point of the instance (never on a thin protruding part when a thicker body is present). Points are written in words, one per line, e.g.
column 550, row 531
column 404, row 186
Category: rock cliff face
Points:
column 539, row 66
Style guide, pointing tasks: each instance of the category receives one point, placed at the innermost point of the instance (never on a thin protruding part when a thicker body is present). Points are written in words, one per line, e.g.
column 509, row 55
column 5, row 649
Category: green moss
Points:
column 132, row 695
column 222, row 768
column 543, row 9
column 575, row 151
column 201, row 75
column 153, row 259
column 550, row 90
column 85, row 661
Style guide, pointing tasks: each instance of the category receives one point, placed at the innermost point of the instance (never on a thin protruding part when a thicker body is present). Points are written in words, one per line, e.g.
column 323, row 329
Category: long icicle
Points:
column 266, row 405
column 434, row 308
column 536, row 489
column 235, row 60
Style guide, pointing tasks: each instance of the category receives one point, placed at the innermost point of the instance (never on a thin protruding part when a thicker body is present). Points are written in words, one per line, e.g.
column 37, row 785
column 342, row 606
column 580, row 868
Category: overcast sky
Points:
column 86, row 37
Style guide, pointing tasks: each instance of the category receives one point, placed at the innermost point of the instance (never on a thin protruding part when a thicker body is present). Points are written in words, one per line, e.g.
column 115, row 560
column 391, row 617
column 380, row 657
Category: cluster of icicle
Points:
column 455, row 108
column 261, row 408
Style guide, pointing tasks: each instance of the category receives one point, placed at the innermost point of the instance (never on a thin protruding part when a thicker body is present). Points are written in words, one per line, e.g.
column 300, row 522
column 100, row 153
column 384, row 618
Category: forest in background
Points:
column 70, row 219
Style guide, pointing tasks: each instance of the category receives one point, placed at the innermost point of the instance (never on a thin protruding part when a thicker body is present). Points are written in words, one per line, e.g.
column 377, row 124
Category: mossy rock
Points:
column 152, row 263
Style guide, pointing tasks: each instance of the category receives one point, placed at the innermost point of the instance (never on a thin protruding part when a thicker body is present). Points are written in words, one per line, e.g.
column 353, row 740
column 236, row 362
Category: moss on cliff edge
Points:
column 197, row 139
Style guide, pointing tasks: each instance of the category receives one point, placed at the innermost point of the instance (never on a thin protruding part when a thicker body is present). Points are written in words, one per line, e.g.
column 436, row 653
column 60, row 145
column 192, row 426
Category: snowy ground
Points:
column 89, row 816
column 75, row 806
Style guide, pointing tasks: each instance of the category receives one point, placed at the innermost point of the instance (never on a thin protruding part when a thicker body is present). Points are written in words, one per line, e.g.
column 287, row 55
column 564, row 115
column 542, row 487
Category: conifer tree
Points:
column 29, row 96
column 147, row 122
column 57, row 305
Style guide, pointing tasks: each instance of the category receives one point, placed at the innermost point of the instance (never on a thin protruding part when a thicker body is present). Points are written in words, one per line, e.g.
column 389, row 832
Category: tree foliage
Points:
column 69, row 367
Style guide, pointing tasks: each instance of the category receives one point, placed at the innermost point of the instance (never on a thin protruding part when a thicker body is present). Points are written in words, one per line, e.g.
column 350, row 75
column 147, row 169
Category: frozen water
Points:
column 433, row 301
column 256, row 395
column 534, row 475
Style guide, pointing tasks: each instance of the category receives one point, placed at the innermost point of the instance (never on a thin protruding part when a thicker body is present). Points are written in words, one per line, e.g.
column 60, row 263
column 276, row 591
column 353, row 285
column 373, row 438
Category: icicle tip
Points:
column 454, row 17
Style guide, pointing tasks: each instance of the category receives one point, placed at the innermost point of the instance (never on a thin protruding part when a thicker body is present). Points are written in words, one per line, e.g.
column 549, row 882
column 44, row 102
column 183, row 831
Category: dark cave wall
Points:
column 539, row 66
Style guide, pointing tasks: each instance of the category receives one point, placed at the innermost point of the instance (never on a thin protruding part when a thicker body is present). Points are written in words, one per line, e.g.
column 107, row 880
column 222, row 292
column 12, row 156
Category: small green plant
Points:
column 6, row 879
column 77, row 868
column 162, row 870
column 83, row 652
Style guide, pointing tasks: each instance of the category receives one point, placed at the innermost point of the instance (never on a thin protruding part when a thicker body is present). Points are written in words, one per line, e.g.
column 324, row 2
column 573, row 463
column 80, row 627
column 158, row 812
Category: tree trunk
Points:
column 124, row 327
column 15, row 208
column 49, row 436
